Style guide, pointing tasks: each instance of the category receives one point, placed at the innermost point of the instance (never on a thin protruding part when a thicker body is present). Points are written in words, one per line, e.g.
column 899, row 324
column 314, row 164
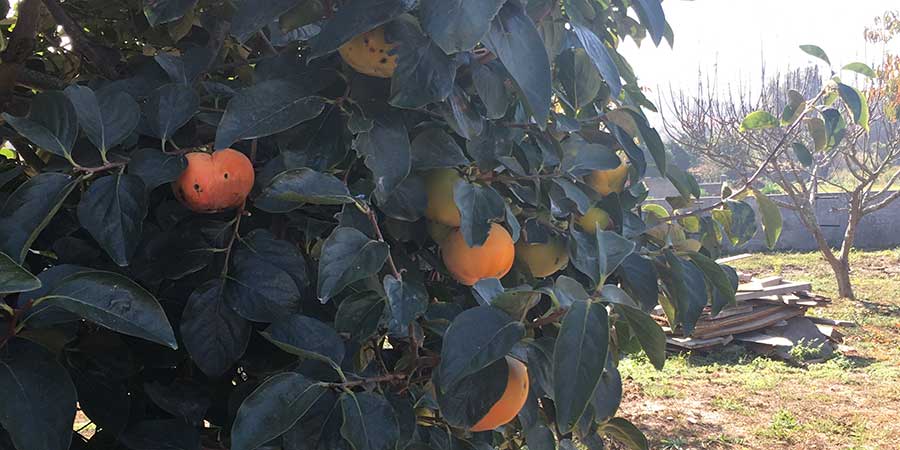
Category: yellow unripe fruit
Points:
column 543, row 259
column 687, row 245
column 610, row 180
column 369, row 54
column 594, row 218
column 438, row 231
column 439, row 189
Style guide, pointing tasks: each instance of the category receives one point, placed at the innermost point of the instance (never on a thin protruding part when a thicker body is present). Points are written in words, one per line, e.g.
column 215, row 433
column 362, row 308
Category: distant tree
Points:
column 824, row 126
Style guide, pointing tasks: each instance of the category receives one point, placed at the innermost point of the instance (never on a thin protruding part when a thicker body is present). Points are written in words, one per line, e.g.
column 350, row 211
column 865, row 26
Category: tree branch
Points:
column 104, row 59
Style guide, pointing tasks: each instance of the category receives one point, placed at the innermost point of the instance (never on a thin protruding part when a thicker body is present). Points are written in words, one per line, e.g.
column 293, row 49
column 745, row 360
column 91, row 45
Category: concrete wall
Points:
column 878, row 230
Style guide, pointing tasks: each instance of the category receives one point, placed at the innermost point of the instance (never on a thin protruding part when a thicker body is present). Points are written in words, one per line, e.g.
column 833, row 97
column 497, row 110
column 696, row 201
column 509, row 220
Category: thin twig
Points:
column 550, row 318
column 371, row 213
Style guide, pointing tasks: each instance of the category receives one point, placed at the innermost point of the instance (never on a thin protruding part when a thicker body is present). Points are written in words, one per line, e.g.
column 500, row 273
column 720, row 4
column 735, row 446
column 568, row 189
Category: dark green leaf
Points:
column 113, row 211
column 164, row 11
column 569, row 197
column 518, row 45
column 639, row 279
column 107, row 119
column 156, row 168
column 600, row 56
column 435, row 149
column 579, row 78
column 686, row 289
column 743, row 222
column 771, row 218
column 802, row 153
column 580, row 158
column 795, row 106
column 462, row 116
column 835, row 126
column 648, row 332
column 294, row 188
column 154, row 434
column 816, row 128
column 347, row 256
column 114, row 302
column 169, row 108
column 369, row 421
column 478, row 206
column 264, row 109
column 259, row 290
column 758, row 120
column 683, row 181
column 578, row 360
column 490, row 84
column 860, row 68
column 38, row 405
column 407, row 300
column 14, row 278
column 51, row 123
column 350, row 22
column 251, row 16
column 359, row 315
column 408, row 201
column 476, row 338
column 29, row 209
column 652, row 17
column 457, row 25
column 608, row 395
column 307, row 337
column 815, row 50
column 387, row 151
column 857, row 104
column 540, row 437
column 715, row 276
column 186, row 68
column 469, row 400
column 213, row 334
column 424, row 73
column 272, row 409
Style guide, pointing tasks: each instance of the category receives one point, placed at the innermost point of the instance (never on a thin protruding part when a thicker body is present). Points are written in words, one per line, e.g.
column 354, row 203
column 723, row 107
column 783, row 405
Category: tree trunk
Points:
column 842, row 269
column 840, row 265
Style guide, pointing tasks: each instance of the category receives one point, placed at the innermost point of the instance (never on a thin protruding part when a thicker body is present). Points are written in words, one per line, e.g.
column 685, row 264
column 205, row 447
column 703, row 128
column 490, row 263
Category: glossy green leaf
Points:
column 715, row 276
column 860, row 68
column 802, row 153
column 387, row 151
column 306, row 337
column 14, row 278
column 165, row 11
column 648, row 332
column 457, row 25
column 600, row 56
column 580, row 79
column 51, row 123
column 369, row 421
column 424, row 73
column 685, row 288
column 857, row 104
column 29, row 209
column 156, row 168
column 795, row 106
column 113, row 211
column 516, row 42
column 252, row 16
column 625, row 432
column 107, row 118
column 758, row 120
column 407, row 300
column 476, row 338
column 213, row 334
column 169, row 108
column 815, row 50
column 272, row 409
column 264, row 109
column 115, row 302
column 478, row 206
column 347, row 256
column 38, row 405
column 578, row 360
column 816, row 128
column 771, row 218
column 435, row 149
column 295, row 188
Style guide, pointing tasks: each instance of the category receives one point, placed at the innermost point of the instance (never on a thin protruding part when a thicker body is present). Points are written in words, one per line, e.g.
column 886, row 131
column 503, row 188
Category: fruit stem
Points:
column 550, row 318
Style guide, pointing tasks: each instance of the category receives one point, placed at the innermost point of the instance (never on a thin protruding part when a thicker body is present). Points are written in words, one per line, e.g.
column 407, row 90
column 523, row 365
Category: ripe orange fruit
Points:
column 441, row 206
column 543, row 259
column 368, row 53
column 512, row 400
column 214, row 182
column 610, row 180
column 493, row 259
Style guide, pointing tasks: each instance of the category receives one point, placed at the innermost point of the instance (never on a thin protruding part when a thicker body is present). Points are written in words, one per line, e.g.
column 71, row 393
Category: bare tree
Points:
column 844, row 130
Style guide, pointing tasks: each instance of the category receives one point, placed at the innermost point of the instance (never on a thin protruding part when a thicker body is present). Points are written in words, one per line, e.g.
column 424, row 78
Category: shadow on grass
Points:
column 737, row 354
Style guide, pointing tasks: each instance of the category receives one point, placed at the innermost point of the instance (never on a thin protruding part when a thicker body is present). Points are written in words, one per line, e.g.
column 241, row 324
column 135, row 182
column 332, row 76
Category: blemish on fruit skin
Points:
column 383, row 60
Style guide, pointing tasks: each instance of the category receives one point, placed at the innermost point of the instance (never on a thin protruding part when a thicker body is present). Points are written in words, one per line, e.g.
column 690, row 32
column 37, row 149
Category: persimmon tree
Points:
column 822, row 127
column 320, row 313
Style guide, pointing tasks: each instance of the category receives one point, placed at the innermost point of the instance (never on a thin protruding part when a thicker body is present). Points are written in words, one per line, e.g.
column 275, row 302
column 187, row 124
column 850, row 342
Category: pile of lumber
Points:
column 769, row 315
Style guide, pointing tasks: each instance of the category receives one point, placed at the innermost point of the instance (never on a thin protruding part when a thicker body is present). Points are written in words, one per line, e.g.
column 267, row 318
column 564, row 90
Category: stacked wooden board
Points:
column 769, row 314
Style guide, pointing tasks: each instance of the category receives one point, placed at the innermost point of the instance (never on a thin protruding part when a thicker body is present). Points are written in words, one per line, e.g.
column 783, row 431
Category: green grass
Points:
column 733, row 398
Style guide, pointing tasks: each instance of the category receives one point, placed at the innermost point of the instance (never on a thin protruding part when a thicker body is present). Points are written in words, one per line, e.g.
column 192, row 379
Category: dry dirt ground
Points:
column 732, row 399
